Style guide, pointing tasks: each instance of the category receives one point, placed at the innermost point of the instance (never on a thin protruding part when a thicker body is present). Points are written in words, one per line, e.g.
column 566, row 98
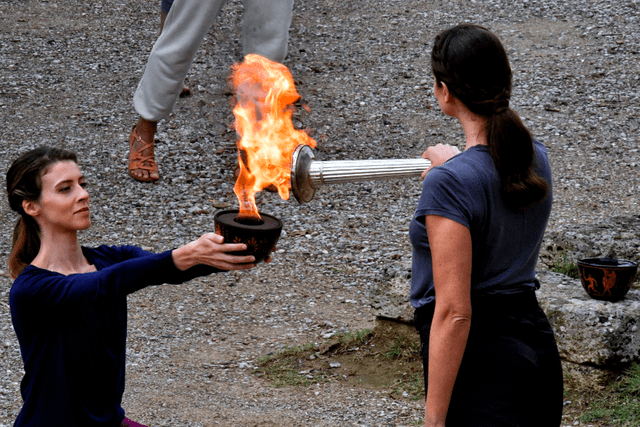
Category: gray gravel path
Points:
column 67, row 75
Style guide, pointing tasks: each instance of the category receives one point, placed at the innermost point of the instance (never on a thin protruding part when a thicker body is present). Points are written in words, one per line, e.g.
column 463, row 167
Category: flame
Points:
column 265, row 93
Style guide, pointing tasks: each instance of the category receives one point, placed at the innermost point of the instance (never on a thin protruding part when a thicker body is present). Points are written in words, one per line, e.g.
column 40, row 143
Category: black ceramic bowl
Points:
column 606, row 279
column 260, row 237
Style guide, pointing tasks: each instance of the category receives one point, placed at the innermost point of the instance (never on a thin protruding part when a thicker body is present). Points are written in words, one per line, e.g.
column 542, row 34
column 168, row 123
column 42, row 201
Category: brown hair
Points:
column 24, row 182
column 474, row 65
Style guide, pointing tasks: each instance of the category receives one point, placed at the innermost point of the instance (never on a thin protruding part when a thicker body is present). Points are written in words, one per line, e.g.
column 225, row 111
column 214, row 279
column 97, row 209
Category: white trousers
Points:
column 265, row 31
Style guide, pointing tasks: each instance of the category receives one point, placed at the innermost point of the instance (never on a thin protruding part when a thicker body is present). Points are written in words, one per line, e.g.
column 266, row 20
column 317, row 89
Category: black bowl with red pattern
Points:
column 606, row 279
column 259, row 234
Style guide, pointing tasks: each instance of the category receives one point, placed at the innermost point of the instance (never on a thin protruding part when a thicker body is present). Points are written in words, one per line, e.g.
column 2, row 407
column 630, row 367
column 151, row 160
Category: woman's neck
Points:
column 474, row 127
column 62, row 253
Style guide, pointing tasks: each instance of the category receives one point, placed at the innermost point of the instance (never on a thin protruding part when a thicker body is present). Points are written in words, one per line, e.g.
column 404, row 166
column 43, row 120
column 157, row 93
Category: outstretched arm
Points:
column 129, row 270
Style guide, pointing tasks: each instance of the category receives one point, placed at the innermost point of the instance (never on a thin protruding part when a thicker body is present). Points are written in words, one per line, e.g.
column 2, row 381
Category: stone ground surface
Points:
column 68, row 71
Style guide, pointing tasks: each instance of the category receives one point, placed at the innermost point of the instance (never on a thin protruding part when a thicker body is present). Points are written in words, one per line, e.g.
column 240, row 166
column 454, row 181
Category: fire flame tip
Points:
column 265, row 93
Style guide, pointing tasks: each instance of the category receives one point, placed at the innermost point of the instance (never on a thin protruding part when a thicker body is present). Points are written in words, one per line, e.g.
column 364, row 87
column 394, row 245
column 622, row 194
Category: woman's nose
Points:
column 84, row 194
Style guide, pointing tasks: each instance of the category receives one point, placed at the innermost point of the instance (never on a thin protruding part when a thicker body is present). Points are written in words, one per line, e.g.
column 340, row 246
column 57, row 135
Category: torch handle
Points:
column 342, row 171
column 307, row 173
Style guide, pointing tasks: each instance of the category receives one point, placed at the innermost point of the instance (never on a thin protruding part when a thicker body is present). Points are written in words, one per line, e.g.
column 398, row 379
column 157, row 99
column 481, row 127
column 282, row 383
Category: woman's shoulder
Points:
column 30, row 280
column 542, row 159
column 110, row 254
column 540, row 148
column 465, row 167
column 30, row 272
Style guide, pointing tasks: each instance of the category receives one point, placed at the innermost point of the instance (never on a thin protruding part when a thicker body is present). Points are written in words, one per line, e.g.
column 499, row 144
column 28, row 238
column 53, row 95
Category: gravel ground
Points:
column 68, row 73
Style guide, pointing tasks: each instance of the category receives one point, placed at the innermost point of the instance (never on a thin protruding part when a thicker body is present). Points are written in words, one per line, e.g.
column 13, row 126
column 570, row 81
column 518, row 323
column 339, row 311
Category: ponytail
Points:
column 24, row 183
column 25, row 244
column 513, row 154
column 474, row 65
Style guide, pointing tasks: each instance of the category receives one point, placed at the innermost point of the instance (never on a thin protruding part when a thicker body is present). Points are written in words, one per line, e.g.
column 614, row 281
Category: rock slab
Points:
column 588, row 331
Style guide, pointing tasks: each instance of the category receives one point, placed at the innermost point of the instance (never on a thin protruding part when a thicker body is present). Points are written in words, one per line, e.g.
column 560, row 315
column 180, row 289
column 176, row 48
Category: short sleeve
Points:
column 443, row 194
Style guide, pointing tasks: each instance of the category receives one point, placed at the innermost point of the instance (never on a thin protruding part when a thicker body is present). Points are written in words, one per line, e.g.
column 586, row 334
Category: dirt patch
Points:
column 386, row 358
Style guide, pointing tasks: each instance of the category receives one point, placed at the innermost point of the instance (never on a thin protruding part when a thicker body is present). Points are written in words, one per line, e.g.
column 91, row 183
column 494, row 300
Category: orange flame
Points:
column 265, row 93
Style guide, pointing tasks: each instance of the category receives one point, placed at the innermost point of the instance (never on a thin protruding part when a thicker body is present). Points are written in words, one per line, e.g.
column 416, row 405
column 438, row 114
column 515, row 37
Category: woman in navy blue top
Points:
column 68, row 302
column 489, row 354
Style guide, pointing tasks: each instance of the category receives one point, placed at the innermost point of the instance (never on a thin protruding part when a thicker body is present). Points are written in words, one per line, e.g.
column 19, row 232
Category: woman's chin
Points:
column 84, row 225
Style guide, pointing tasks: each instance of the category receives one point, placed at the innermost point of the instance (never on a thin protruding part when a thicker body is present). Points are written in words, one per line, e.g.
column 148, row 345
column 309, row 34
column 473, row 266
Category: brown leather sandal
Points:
column 137, row 161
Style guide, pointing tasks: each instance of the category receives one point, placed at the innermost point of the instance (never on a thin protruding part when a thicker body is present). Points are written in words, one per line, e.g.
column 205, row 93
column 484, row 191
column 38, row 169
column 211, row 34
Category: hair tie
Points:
column 501, row 107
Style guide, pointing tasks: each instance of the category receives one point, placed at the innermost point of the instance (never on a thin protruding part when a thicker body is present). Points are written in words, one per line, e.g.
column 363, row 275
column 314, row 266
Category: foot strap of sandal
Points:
column 136, row 159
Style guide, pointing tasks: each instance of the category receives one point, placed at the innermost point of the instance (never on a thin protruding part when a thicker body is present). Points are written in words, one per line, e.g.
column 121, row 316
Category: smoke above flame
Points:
column 265, row 95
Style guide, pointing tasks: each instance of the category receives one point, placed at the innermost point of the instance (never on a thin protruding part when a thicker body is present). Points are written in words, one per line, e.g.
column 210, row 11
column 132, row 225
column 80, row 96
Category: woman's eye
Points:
column 83, row 185
column 65, row 189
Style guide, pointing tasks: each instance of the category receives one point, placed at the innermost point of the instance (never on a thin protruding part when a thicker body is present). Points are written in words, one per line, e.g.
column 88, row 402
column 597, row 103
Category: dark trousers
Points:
column 510, row 373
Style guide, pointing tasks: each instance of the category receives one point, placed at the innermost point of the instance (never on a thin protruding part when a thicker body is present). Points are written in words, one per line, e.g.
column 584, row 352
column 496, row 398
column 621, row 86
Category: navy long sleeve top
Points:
column 72, row 332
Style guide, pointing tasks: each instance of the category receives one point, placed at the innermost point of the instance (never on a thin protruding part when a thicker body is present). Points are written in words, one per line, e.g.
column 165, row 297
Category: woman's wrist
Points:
column 434, row 421
column 184, row 257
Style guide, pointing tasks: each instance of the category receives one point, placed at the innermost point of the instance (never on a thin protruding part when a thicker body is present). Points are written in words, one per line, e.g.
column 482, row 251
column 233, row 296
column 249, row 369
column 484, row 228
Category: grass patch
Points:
column 411, row 386
column 286, row 368
column 600, row 397
column 354, row 338
column 386, row 357
column 618, row 404
column 402, row 347
column 562, row 266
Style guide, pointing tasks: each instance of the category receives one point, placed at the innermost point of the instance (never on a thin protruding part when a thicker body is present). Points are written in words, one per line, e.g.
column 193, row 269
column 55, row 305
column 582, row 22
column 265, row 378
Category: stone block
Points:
column 390, row 297
column 589, row 331
column 392, row 301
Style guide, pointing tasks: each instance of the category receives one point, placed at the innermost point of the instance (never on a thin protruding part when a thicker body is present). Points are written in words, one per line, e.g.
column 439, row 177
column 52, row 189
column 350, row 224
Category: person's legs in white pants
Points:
column 183, row 31
column 187, row 23
column 265, row 30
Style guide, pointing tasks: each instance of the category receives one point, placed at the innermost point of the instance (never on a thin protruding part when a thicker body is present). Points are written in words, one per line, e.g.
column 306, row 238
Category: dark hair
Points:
column 24, row 182
column 473, row 63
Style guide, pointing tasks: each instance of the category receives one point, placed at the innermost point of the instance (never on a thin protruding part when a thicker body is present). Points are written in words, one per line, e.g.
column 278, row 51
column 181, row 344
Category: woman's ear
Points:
column 31, row 208
column 445, row 92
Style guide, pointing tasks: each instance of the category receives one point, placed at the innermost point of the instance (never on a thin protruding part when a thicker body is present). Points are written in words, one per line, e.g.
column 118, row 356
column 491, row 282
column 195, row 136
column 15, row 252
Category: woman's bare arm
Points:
column 451, row 255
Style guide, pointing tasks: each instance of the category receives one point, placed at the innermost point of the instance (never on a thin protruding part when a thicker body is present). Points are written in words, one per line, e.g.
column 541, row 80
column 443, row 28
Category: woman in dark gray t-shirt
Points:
column 490, row 357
